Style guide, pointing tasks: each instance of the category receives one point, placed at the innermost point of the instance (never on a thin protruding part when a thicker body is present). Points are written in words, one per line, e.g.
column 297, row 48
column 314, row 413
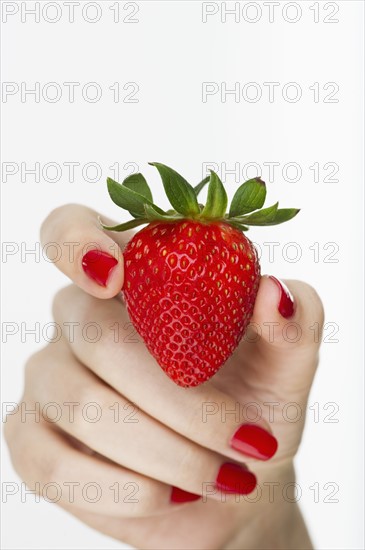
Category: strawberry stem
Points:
column 134, row 195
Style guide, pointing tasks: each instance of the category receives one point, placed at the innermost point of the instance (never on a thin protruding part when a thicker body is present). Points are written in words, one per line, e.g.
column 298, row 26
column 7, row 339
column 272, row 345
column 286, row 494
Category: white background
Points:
column 169, row 53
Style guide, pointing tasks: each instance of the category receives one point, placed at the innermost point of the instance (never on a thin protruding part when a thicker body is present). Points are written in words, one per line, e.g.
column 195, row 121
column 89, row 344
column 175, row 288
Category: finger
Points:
column 52, row 465
column 73, row 239
column 205, row 415
column 99, row 421
column 288, row 320
column 145, row 533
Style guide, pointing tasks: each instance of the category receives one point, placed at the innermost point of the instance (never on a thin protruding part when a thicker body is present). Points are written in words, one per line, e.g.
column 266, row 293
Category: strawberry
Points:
column 191, row 275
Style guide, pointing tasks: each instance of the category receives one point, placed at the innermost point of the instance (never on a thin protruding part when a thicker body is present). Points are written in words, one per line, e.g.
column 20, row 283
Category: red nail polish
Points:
column 286, row 302
column 179, row 496
column 233, row 478
column 254, row 441
column 98, row 265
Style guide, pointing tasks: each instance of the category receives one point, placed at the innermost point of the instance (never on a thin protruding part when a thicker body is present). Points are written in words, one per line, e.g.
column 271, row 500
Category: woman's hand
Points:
column 111, row 418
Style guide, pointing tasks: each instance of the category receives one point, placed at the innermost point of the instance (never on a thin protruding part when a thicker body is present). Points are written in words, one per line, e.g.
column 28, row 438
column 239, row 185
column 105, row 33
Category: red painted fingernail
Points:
column 286, row 302
column 252, row 440
column 98, row 266
column 233, row 478
column 179, row 495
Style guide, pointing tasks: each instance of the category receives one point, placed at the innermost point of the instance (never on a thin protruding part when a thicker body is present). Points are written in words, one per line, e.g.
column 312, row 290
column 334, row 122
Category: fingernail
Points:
column 179, row 496
column 252, row 440
column 286, row 302
column 98, row 266
column 233, row 478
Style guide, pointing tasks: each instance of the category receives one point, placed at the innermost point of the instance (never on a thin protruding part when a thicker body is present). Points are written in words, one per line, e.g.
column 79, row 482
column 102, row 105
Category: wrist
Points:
column 271, row 518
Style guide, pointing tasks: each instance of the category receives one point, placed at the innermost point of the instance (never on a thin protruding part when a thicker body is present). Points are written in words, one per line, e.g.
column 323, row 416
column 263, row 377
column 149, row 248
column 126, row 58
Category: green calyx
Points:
column 245, row 209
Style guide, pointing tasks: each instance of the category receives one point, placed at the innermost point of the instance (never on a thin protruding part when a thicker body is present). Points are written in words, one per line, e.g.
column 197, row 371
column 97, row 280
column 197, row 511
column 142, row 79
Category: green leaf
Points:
column 201, row 185
column 268, row 216
column 153, row 215
column 216, row 204
column 283, row 215
column 179, row 192
column 137, row 183
column 261, row 217
column 123, row 226
column 128, row 199
column 248, row 197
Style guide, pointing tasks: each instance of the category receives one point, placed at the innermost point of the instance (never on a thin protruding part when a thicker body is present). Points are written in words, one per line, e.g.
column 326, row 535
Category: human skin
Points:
column 182, row 436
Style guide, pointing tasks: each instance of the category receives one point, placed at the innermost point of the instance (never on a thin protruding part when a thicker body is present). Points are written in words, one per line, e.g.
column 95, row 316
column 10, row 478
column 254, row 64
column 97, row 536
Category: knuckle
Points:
column 51, row 468
column 10, row 428
column 13, row 440
column 31, row 465
column 61, row 298
column 36, row 377
column 31, row 368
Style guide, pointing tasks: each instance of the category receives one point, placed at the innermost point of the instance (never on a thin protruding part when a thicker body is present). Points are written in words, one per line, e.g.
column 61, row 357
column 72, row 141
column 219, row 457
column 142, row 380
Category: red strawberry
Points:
column 190, row 289
column 191, row 275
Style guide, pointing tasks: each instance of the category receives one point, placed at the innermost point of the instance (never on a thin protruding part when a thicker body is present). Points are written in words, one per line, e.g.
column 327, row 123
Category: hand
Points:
column 183, row 438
